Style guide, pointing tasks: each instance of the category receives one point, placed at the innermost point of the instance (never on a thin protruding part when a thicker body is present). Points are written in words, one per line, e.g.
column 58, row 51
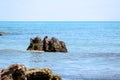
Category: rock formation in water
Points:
column 36, row 44
column 1, row 33
column 47, row 45
column 20, row 72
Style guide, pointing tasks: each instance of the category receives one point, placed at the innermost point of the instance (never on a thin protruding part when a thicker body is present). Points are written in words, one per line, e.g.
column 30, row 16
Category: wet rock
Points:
column 19, row 72
column 47, row 45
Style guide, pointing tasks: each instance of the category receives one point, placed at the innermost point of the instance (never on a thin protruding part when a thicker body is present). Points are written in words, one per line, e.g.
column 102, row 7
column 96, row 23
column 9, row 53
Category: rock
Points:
column 19, row 72
column 1, row 33
column 57, row 46
column 14, row 72
column 41, row 74
column 63, row 47
column 36, row 44
column 0, row 75
column 47, row 45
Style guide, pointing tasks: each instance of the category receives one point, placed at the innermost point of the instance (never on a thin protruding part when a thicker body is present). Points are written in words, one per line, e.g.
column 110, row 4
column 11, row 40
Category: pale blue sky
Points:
column 60, row 10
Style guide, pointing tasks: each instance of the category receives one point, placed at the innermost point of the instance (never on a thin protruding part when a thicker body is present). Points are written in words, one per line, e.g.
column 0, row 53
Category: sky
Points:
column 59, row 10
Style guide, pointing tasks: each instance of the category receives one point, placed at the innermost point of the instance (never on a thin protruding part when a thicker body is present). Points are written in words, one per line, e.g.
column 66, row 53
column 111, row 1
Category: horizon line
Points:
column 56, row 21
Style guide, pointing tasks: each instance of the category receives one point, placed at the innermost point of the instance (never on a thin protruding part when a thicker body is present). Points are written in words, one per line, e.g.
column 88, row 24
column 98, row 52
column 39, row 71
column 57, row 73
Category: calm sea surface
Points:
column 93, row 48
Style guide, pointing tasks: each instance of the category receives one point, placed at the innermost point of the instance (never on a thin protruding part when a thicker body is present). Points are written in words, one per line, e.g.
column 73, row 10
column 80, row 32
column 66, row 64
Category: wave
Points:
column 12, row 51
column 18, row 51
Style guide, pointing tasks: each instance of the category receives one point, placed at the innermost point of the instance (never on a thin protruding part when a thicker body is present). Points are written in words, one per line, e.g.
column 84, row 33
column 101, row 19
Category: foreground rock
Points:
column 41, row 74
column 19, row 72
column 14, row 72
column 47, row 45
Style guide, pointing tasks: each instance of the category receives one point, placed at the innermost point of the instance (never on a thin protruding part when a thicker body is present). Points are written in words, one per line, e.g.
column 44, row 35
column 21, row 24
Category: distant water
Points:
column 93, row 48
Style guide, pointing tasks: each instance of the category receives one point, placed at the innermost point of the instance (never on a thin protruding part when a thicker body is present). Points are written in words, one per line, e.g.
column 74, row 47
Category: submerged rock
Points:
column 47, row 45
column 19, row 72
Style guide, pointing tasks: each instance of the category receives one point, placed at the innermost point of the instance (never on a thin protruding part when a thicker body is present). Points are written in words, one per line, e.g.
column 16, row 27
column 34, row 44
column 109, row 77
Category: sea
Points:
column 93, row 48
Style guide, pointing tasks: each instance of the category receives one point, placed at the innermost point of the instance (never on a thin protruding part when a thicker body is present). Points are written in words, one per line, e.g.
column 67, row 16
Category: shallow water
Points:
column 93, row 48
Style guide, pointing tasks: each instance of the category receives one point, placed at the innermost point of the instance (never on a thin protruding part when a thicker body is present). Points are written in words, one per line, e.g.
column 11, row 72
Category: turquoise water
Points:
column 93, row 48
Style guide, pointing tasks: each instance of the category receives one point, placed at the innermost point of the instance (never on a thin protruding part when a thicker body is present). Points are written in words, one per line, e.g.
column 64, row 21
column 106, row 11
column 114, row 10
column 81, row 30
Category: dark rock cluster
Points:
column 20, row 72
column 47, row 45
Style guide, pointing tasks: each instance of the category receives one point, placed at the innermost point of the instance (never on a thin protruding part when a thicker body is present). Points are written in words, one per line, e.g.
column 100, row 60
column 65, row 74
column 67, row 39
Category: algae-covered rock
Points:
column 47, row 45
column 36, row 44
column 19, row 72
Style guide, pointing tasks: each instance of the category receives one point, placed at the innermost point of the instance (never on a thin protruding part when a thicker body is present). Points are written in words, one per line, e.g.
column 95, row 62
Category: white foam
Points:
column 35, row 51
